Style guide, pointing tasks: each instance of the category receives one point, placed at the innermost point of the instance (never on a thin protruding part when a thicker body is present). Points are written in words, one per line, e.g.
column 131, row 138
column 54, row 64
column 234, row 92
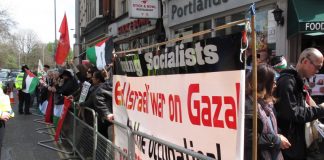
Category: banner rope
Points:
column 186, row 36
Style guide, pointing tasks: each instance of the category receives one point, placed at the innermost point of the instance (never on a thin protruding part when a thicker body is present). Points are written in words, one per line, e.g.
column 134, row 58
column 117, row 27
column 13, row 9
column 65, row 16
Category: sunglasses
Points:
column 258, row 55
column 318, row 67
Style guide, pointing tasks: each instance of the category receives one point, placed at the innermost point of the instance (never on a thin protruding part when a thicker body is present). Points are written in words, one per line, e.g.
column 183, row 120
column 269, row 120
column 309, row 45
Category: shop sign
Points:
column 112, row 30
column 312, row 26
column 144, row 9
column 133, row 25
column 184, row 11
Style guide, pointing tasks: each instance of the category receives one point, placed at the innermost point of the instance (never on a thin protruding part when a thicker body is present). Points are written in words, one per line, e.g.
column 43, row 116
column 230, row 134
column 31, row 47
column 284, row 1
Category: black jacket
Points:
column 103, row 101
column 292, row 114
column 89, row 102
column 68, row 87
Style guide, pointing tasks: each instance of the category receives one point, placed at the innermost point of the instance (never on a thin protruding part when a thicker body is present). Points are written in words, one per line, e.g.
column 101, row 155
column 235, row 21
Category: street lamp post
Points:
column 54, row 28
column 44, row 46
column 77, row 30
column 19, row 59
column 55, row 19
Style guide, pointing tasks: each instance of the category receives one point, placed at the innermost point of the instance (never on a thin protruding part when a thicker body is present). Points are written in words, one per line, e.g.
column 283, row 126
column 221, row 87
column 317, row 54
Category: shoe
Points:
column 21, row 112
column 27, row 113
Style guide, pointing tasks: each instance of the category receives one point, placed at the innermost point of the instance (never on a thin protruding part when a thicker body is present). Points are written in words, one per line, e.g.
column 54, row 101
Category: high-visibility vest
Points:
column 19, row 80
column 5, row 105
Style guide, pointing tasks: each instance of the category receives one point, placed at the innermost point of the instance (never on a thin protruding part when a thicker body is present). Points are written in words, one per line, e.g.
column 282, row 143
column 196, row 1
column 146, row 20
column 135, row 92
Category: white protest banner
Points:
column 192, row 97
column 84, row 92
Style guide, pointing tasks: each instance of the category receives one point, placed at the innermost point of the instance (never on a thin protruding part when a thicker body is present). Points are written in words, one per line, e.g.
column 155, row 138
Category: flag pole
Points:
column 77, row 30
column 254, row 82
column 55, row 31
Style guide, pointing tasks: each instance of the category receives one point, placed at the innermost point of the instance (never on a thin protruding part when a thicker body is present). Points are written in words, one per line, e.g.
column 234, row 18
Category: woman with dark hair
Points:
column 90, row 71
column 80, row 72
column 269, row 141
column 96, row 80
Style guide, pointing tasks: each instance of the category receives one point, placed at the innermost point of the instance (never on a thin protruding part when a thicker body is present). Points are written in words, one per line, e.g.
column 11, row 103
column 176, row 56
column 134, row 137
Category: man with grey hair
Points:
column 294, row 106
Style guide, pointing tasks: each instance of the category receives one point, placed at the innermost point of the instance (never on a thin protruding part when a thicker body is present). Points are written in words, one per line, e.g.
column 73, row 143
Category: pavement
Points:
column 20, row 140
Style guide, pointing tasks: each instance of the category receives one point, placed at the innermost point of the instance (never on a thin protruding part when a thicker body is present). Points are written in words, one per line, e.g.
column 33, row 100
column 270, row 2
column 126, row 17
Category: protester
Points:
column 83, row 74
column 294, row 107
column 88, row 116
column 97, row 80
column 41, row 88
column 80, row 71
column 104, row 107
column 24, row 96
column 263, row 56
column 46, row 67
column 269, row 141
column 278, row 63
column 66, row 86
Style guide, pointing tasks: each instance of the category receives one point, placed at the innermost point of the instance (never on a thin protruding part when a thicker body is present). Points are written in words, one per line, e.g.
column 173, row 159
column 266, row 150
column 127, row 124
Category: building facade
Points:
column 130, row 33
column 302, row 24
column 95, row 16
column 188, row 17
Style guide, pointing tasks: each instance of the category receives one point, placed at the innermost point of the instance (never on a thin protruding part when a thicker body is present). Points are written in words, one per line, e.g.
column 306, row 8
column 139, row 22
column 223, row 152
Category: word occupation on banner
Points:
column 187, row 94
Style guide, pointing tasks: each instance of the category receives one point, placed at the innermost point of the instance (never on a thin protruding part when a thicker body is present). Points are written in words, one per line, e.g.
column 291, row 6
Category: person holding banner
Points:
column 295, row 108
column 269, row 141
column 81, row 76
column 67, row 87
column 96, row 80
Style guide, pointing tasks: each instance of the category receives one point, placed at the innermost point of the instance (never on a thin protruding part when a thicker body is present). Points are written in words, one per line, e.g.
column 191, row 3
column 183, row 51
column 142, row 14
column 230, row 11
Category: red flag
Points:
column 67, row 104
column 49, row 109
column 63, row 46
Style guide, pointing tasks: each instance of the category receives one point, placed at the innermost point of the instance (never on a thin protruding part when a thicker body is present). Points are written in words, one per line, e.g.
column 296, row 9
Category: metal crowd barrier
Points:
column 34, row 111
column 131, row 143
column 107, row 150
column 87, row 143
column 85, row 136
column 62, row 138
column 90, row 144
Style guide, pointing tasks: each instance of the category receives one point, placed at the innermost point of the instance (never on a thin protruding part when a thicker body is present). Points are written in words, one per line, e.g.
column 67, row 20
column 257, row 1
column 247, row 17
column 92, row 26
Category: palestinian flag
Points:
column 43, row 107
column 67, row 105
column 31, row 81
column 101, row 53
column 57, row 113
column 49, row 108
column 40, row 70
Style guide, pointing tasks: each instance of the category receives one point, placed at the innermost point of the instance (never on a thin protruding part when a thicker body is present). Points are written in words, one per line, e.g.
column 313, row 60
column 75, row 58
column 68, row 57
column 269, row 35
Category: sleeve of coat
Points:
column 103, row 102
column 287, row 106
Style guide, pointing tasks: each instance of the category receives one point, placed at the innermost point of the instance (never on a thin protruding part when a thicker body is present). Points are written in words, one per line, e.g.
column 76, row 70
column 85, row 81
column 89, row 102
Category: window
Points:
column 91, row 10
column 124, row 8
column 193, row 29
column 227, row 19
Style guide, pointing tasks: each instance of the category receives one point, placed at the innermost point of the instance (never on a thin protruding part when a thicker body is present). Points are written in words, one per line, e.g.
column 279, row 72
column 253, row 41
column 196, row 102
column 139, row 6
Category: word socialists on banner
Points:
column 188, row 94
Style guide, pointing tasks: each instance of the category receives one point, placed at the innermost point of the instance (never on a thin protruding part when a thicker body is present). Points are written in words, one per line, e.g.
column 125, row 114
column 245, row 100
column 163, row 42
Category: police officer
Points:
column 24, row 96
